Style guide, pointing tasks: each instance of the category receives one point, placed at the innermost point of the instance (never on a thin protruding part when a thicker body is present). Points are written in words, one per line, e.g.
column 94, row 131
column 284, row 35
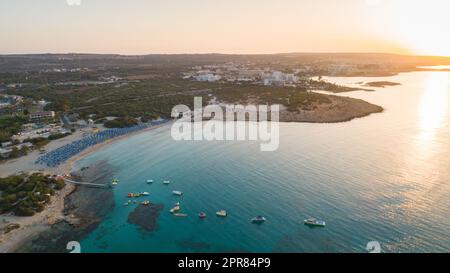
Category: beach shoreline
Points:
column 68, row 166
column 32, row 226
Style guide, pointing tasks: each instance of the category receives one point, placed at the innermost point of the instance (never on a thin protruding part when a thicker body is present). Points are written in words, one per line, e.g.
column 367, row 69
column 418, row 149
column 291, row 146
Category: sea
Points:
column 384, row 178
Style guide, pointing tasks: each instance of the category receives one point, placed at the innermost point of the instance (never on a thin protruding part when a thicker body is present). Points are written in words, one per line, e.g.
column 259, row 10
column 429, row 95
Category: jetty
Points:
column 88, row 184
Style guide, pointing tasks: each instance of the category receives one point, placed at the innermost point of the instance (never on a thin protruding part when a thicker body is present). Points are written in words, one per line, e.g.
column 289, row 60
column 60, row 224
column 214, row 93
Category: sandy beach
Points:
column 32, row 226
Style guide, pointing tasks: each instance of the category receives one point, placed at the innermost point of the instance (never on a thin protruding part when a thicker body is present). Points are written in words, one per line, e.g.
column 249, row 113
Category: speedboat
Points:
column 315, row 222
column 258, row 220
column 222, row 213
column 145, row 193
column 167, row 182
column 178, row 193
column 146, row 203
column 202, row 215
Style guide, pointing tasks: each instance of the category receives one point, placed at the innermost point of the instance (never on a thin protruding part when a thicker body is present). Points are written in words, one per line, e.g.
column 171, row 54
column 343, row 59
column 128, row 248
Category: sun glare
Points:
column 422, row 26
column 434, row 106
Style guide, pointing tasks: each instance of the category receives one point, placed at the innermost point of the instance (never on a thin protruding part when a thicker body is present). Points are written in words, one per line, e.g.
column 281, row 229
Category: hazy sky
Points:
column 225, row 26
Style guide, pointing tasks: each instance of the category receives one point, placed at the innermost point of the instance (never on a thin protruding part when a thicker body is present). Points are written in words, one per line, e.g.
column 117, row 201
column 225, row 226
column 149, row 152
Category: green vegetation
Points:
column 26, row 195
column 331, row 87
column 15, row 153
column 58, row 136
column 145, row 98
column 9, row 126
column 152, row 85
column 121, row 123
column 40, row 142
column 292, row 97
column 306, row 101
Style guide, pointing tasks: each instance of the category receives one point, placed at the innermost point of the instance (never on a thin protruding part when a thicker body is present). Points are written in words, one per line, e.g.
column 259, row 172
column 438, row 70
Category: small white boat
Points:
column 180, row 215
column 149, row 181
column 145, row 193
column 222, row 213
column 166, row 182
column 146, row 203
column 178, row 193
column 175, row 209
column 315, row 222
column 258, row 220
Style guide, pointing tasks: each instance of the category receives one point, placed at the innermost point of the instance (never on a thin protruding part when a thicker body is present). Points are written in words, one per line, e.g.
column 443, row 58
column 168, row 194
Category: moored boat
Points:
column 202, row 215
column 178, row 193
column 146, row 203
column 222, row 213
column 145, row 193
column 180, row 215
column 175, row 209
column 258, row 220
column 166, row 182
column 314, row 222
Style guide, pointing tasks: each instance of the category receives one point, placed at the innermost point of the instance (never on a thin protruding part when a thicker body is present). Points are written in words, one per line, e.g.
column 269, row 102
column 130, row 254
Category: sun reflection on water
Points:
column 421, row 169
column 434, row 106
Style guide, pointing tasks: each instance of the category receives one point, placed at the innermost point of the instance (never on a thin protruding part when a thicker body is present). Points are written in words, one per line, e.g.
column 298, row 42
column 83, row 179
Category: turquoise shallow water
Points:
column 384, row 177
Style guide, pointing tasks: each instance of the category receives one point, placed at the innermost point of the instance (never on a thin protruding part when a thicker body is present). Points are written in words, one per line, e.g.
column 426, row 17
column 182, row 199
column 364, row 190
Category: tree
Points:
column 15, row 153
column 24, row 150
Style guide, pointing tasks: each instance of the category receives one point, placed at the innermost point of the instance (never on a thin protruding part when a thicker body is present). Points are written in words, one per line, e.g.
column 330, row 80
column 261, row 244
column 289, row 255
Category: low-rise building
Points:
column 6, row 152
column 6, row 144
column 42, row 115
column 40, row 132
column 208, row 77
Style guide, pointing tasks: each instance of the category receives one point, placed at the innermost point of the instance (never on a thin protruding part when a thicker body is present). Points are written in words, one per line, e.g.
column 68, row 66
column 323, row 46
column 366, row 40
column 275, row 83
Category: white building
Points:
column 208, row 77
column 279, row 78
column 42, row 115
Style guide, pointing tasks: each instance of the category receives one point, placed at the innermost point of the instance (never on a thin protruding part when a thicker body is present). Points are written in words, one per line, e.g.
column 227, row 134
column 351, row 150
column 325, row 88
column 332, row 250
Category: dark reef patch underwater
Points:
column 146, row 217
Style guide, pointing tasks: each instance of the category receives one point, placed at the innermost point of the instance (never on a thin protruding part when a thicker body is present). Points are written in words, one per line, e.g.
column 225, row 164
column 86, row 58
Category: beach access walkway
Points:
column 88, row 184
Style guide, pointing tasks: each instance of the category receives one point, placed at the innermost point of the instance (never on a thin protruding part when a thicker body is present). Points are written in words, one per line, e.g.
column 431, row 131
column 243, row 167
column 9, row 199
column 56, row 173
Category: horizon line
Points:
column 230, row 54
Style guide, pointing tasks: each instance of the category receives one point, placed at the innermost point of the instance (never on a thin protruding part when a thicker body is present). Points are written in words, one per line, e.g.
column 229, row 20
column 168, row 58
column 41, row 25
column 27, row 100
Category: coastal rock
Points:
column 382, row 84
